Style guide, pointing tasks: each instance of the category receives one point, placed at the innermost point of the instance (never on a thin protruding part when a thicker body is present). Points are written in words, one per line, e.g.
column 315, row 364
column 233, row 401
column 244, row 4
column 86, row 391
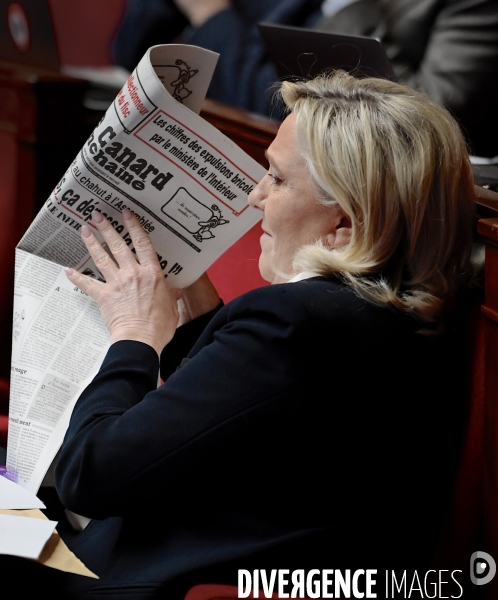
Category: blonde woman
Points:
column 310, row 424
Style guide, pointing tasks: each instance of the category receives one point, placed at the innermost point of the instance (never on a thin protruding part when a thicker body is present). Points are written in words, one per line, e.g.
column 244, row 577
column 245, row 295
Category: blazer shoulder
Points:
column 300, row 291
column 310, row 299
column 320, row 303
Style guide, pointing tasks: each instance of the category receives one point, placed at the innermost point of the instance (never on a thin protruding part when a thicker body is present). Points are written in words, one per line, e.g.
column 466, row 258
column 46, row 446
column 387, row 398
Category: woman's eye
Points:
column 274, row 179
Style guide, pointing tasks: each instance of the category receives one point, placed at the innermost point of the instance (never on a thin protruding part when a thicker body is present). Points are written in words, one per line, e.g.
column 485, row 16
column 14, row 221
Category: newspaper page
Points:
column 188, row 186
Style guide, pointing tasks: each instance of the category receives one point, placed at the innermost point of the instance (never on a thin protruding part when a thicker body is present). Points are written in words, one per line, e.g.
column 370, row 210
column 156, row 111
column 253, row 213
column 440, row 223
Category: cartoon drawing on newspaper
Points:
column 185, row 74
column 194, row 216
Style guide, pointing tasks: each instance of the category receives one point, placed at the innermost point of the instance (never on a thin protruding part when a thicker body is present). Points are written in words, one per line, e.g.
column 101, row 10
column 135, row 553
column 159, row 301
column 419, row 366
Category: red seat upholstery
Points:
column 237, row 270
column 463, row 530
column 4, row 424
column 212, row 592
column 218, row 592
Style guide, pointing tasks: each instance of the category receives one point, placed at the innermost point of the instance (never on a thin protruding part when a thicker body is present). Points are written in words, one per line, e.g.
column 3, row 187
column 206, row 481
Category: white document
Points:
column 188, row 186
column 14, row 496
column 23, row 536
column 59, row 342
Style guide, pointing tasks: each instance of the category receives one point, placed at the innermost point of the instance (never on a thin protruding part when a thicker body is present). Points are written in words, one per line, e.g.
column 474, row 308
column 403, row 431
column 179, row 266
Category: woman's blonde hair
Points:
column 398, row 166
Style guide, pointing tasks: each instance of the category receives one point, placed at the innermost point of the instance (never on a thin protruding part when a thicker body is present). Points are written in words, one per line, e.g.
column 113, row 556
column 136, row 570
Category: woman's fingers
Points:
column 100, row 257
column 84, row 283
column 146, row 254
column 144, row 250
column 116, row 244
column 135, row 302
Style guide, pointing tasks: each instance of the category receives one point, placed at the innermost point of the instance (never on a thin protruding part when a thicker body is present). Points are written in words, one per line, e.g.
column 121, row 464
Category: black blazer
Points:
column 308, row 429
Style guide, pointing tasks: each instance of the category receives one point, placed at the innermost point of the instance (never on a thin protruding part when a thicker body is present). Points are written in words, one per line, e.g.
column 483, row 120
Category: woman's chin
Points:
column 265, row 270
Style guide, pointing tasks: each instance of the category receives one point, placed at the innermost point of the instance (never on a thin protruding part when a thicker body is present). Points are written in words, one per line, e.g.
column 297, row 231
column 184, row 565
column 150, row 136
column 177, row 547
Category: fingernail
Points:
column 97, row 216
column 126, row 214
column 85, row 231
column 69, row 271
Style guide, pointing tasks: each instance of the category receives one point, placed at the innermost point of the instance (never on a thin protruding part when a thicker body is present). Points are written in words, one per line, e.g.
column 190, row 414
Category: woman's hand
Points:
column 197, row 299
column 135, row 302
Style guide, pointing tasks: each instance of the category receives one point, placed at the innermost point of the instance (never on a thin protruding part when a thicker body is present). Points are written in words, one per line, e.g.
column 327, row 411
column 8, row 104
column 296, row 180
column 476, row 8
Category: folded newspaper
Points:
column 187, row 184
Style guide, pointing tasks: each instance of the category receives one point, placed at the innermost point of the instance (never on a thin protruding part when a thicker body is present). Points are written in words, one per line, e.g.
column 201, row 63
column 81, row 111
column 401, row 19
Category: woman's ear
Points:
column 341, row 235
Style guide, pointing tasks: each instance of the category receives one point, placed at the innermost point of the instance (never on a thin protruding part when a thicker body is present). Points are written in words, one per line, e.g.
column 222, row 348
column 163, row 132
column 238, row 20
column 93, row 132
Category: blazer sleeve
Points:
column 130, row 442
column 183, row 341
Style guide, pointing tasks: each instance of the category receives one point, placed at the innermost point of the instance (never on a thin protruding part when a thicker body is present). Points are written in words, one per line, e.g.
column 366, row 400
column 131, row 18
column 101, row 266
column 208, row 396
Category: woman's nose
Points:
column 257, row 197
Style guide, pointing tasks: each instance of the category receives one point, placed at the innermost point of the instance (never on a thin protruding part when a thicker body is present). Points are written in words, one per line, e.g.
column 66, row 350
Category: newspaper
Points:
column 188, row 186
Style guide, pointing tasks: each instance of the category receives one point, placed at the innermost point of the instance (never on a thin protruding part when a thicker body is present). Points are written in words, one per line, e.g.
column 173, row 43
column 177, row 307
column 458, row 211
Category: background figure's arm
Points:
column 200, row 11
column 244, row 73
column 145, row 24
column 245, row 76
column 453, row 56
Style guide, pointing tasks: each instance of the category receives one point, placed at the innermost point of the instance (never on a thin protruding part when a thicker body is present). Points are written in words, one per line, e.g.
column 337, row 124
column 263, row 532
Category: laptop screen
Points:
column 301, row 52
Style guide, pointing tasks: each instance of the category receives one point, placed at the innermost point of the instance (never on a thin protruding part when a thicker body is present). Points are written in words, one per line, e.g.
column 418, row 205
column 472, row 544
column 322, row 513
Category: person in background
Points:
column 447, row 48
column 310, row 424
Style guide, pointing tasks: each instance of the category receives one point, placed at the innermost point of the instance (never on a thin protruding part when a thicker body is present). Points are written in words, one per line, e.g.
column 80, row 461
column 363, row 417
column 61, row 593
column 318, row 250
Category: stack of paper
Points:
column 25, row 531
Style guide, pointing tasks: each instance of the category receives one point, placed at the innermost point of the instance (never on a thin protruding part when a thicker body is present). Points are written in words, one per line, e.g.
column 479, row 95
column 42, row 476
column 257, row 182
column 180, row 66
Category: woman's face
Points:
column 293, row 216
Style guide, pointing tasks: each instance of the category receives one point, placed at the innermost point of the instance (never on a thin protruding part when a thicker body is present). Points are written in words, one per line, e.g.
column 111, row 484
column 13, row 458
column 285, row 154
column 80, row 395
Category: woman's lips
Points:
column 265, row 238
